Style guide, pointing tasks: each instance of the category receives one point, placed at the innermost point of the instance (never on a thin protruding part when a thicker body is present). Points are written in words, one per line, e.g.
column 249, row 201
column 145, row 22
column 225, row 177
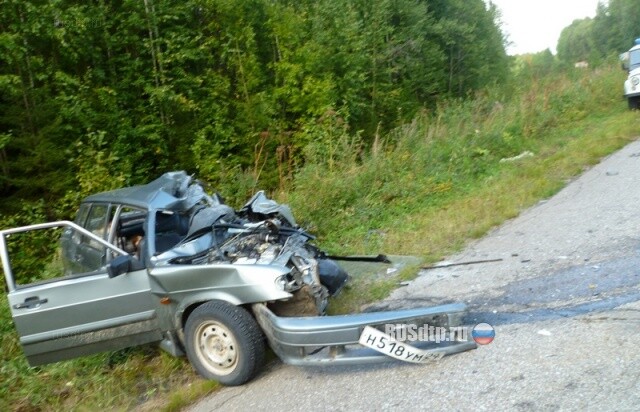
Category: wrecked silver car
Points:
column 166, row 262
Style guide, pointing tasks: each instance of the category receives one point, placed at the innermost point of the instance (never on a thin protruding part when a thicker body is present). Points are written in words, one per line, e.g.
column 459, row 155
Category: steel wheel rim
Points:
column 216, row 347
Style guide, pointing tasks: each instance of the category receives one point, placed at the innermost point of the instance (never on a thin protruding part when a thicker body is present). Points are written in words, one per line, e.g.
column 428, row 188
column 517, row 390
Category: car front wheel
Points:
column 224, row 343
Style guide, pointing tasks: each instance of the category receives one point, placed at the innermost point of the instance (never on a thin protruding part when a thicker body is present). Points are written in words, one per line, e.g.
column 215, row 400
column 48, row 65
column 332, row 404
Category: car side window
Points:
column 129, row 230
column 36, row 259
column 97, row 222
column 170, row 228
column 85, row 254
column 81, row 218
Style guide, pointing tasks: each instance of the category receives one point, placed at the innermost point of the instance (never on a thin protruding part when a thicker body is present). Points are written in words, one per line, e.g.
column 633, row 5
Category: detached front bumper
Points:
column 331, row 340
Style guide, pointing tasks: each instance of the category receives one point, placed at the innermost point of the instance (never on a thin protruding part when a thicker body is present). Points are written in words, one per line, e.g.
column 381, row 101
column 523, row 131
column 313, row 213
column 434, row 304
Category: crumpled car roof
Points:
column 171, row 191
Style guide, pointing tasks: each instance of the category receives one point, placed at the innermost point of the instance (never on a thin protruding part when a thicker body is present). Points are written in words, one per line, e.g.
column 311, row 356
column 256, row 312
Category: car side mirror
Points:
column 123, row 264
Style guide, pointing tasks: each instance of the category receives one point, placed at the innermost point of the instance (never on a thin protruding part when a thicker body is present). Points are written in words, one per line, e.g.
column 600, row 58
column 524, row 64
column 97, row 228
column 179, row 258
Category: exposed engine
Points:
column 265, row 244
column 262, row 232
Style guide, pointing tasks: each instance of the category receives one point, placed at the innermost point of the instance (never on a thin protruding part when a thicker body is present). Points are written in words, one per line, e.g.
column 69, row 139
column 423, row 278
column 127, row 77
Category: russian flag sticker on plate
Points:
column 483, row 333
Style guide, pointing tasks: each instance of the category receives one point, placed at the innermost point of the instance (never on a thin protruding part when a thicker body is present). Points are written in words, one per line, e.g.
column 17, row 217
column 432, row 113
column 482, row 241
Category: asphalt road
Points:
column 564, row 302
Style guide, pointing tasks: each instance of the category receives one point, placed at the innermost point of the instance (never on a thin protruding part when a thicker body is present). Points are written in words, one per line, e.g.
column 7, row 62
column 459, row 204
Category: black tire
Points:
column 224, row 343
column 634, row 103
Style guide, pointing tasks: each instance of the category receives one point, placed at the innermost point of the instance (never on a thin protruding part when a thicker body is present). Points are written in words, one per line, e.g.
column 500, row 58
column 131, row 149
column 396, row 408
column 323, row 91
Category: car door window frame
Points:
column 6, row 262
column 125, row 241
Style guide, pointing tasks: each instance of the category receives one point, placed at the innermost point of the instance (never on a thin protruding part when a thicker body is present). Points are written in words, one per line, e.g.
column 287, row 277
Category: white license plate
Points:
column 383, row 343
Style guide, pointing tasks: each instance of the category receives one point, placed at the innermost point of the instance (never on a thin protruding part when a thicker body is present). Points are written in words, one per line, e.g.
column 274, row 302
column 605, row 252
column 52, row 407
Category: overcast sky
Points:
column 535, row 25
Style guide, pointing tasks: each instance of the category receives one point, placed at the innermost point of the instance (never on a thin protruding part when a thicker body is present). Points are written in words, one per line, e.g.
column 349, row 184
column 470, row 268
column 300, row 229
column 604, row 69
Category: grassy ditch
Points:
column 425, row 190
column 440, row 229
column 450, row 176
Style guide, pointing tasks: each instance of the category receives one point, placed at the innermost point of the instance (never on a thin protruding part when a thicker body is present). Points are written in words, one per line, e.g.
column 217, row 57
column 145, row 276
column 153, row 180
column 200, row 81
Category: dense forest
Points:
column 96, row 95
column 99, row 94
column 612, row 30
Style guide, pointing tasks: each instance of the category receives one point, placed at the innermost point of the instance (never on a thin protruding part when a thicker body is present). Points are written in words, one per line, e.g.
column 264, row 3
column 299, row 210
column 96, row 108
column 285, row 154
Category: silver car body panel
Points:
column 301, row 340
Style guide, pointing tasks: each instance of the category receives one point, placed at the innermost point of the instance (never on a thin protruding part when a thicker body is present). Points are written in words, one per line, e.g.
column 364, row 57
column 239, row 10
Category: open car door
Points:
column 61, row 315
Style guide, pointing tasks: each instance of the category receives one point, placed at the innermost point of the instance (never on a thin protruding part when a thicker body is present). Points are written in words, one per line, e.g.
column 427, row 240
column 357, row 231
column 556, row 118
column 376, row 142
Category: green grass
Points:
column 386, row 204
column 438, row 230
column 425, row 189
column 441, row 182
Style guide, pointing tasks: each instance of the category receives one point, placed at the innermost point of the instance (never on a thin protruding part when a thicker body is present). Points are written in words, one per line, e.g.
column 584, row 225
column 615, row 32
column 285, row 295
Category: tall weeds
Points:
column 394, row 196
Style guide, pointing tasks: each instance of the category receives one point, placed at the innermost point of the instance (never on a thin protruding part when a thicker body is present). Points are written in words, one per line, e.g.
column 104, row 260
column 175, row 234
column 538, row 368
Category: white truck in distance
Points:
column 631, row 63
